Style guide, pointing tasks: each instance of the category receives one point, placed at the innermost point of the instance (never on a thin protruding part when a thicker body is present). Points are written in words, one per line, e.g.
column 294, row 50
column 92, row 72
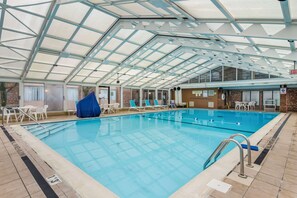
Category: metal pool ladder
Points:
column 223, row 145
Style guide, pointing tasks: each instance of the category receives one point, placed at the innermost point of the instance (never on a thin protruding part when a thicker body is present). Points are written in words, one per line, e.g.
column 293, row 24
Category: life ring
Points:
column 223, row 96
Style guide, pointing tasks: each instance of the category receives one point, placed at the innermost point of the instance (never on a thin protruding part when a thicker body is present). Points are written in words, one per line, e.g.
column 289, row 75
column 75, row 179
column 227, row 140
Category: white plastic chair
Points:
column 251, row 105
column 8, row 113
column 237, row 105
column 105, row 108
column 116, row 107
column 45, row 110
column 38, row 112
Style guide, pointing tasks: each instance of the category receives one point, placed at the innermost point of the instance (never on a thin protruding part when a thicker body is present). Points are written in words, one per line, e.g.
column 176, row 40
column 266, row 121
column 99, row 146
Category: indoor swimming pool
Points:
column 149, row 154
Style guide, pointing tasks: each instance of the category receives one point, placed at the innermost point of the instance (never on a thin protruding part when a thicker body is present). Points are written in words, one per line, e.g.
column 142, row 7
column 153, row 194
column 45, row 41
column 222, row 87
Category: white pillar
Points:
column 156, row 94
column 176, row 97
column 169, row 96
column 122, row 96
column 21, row 94
column 97, row 92
column 180, row 96
column 140, row 97
column 65, row 108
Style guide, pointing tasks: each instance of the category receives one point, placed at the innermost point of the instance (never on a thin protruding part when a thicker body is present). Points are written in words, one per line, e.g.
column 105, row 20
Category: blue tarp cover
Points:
column 88, row 107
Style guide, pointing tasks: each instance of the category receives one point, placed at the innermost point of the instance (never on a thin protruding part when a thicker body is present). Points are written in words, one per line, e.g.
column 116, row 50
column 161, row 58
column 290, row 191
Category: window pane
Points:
column 229, row 73
column 34, row 94
column 255, row 96
column 267, row 95
column 103, row 95
column 246, row 96
column 195, row 80
column 276, row 97
column 216, row 74
column 54, row 97
column 205, row 77
column 258, row 75
column 244, row 74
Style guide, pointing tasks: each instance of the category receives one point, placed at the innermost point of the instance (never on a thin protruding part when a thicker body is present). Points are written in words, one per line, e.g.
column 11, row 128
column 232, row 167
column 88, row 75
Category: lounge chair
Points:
column 148, row 104
column 156, row 104
column 172, row 104
column 133, row 106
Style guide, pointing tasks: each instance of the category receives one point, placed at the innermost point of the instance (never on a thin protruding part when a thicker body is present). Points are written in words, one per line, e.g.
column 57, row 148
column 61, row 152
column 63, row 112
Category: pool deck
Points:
column 274, row 177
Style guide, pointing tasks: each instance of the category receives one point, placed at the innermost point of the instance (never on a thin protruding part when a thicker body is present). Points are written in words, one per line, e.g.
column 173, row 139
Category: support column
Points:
column 180, row 97
column 21, row 94
column 65, row 108
column 169, row 96
column 176, row 97
column 97, row 92
column 156, row 94
column 140, row 97
column 122, row 96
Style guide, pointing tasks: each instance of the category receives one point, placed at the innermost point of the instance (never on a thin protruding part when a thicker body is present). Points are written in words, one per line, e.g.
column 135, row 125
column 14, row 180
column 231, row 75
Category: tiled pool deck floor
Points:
column 275, row 177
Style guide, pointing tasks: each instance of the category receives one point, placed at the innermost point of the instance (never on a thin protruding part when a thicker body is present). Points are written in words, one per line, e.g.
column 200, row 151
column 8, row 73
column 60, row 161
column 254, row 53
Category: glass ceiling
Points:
column 147, row 44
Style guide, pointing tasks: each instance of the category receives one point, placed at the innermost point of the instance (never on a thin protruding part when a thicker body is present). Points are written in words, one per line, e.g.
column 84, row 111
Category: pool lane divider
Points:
column 198, row 124
column 45, row 187
column 271, row 142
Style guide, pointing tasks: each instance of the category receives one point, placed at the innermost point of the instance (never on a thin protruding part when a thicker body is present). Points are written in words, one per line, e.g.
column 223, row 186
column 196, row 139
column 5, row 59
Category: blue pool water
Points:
column 148, row 155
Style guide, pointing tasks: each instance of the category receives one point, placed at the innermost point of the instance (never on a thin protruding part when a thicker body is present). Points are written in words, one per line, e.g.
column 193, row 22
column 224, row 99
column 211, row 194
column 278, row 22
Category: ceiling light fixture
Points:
column 118, row 81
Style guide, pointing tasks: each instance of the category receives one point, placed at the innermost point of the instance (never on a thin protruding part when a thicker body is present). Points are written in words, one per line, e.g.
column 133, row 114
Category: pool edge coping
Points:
column 77, row 179
column 197, row 187
column 89, row 187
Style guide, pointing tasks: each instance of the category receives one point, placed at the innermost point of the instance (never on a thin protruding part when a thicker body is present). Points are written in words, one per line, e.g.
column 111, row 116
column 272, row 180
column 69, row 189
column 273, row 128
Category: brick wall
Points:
column 126, row 97
column 12, row 90
column 289, row 101
column 233, row 96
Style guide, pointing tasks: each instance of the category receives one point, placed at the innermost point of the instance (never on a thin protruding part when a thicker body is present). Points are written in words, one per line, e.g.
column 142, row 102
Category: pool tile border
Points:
column 88, row 187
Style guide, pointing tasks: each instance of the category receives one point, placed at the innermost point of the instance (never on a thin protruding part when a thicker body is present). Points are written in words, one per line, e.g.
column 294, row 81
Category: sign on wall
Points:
column 283, row 90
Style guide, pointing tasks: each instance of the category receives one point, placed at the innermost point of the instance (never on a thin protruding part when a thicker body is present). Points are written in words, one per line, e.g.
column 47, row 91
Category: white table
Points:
column 25, row 111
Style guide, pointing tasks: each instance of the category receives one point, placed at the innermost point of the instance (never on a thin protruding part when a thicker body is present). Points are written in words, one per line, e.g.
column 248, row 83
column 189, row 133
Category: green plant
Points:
column 3, row 94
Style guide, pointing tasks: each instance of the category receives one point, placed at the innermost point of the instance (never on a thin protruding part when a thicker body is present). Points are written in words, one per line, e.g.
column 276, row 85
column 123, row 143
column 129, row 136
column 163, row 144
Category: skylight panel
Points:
column 91, row 80
column 107, row 68
column 155, row 56
column 62, row 70
column 71, row 62
column 45, row 58
column 91, row 65
column 87, row 36
column 141, row 36
column 201, row 9
column 264, row 9
column 127, row 48
column 117, row 58
column 77, row 79
column 36, row 75
column 117, row 11
column 144, row 63
column 99, row 20
column 57, row 26
column 112, row 44
column 167, row 48
column 124, row 33
column 77, row 49
column 41, row 67
column 138, row 9
column 65, row 11
column 102, row 54
column 54, row 44
column 56, row 77
column 272, row 42
column 84, row 72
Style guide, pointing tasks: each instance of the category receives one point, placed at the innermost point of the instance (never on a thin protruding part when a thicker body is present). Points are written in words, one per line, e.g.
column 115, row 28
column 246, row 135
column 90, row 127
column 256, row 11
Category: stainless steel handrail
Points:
column 249, row 164
column 223, row 145
column 33, row 119
column 248, row 143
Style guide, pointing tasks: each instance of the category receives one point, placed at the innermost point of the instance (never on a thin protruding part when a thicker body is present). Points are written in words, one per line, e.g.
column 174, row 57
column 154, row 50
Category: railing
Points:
column 34, row 120
column 223, row 145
